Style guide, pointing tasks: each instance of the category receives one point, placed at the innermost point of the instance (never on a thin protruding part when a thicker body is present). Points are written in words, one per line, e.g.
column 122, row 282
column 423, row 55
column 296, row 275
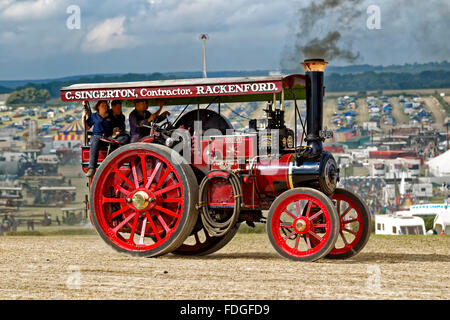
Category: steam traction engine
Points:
column 187, row 187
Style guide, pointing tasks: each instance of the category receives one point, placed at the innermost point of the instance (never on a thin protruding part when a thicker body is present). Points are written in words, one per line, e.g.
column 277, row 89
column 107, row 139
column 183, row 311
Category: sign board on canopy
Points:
column 173, row 91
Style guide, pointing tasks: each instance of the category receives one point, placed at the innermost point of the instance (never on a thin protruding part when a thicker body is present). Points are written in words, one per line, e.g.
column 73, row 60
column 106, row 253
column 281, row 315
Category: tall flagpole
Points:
column 204, row 37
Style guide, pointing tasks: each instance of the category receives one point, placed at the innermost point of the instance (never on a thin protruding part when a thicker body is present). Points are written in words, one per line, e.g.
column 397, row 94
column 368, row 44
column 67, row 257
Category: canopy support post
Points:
column 219, row 108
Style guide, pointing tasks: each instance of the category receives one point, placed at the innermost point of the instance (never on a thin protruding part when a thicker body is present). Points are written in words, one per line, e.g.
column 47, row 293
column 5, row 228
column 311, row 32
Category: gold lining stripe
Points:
column 290, row 181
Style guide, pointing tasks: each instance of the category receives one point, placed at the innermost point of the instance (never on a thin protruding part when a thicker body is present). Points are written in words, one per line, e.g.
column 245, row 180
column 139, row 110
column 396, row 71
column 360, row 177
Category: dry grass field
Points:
column 397, row 111
column 84, row 267
column 438, row 111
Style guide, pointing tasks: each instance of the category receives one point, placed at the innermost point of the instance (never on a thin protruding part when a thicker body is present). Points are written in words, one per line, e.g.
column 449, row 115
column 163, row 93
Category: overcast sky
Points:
column 145, row 36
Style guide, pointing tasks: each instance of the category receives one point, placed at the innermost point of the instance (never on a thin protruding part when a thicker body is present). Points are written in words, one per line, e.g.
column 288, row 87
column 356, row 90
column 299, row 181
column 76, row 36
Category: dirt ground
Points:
column 363, row 111
column 329, row 108
column 84, row 267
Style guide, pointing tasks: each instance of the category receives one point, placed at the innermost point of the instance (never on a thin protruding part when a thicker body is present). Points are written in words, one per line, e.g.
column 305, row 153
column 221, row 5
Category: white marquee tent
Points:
column 442, row 222
column 440, row 165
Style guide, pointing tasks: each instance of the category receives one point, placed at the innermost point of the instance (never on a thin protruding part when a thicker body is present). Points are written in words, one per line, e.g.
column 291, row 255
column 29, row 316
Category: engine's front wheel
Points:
column 302, row 224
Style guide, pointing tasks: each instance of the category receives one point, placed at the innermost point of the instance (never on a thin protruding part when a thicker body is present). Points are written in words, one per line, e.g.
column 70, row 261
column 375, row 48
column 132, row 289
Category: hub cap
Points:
column 300, row 225
column 141, row 200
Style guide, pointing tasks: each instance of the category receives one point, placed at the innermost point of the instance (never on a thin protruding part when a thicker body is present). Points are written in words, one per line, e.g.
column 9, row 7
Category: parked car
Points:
column 42, row 115
column 374, row 117
column 388, row 121
column 59, row 120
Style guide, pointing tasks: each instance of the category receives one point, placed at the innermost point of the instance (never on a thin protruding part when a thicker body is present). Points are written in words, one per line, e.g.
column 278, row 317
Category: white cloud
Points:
column 5, row 3
column 7, row 35
column 108, row 35
column 29, row 10
column 244, row 34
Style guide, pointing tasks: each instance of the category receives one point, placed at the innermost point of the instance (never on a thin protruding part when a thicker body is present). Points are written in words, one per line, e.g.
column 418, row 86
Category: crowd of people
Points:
column 109, row 122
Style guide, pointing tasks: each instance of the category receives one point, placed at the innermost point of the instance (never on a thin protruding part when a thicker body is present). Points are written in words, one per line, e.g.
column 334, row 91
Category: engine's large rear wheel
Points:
column 201, row 243
column 302, row 224
column 143, row 199
column 355, row 222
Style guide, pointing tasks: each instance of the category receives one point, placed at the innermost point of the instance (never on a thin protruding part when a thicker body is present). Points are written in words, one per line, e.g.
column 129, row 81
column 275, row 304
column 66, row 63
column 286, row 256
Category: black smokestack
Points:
column 314, row 69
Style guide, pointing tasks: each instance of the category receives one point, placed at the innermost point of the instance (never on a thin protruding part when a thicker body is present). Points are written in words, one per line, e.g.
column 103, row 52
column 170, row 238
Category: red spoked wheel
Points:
column 201, row 243
column 355, row 222
column 143, row 199
column 302, row 224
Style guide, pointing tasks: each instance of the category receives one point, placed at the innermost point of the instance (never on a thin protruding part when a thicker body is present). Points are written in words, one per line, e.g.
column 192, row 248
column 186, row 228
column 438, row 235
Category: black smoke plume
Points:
column 310, row 39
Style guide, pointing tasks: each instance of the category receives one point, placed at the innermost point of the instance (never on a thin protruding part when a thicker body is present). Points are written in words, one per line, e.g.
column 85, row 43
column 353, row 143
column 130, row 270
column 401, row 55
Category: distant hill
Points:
column 53, row 86
column 19, row 83
column 5, row 90
column 12, row 84
column 337, row 78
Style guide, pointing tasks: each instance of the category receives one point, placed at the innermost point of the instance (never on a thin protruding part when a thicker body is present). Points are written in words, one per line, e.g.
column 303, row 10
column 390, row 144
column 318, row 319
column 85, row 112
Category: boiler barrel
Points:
column 276, row 176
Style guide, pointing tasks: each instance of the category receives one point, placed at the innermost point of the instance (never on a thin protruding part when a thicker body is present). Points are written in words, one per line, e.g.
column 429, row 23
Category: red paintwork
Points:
column 241, row 147
column 422, row 162
column 218, row 173
column 271, row 176
column 220, row 193
column 251, row 197
column 200, row 153
column 85, row 155
column 148, row 139
column 394, row 154
column 333, row 149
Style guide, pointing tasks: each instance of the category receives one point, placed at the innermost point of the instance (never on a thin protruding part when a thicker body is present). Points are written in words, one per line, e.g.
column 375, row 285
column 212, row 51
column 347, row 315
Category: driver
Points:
column 140, row 119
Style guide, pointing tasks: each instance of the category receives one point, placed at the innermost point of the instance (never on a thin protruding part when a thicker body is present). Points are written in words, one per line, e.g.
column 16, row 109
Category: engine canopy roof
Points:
column 191, row 91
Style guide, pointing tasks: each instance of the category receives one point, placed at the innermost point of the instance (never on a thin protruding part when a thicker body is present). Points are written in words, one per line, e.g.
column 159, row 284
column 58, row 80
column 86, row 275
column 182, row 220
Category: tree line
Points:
column 370, row 81
column 28, row 95
column 54, row 86
column 4, row 90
